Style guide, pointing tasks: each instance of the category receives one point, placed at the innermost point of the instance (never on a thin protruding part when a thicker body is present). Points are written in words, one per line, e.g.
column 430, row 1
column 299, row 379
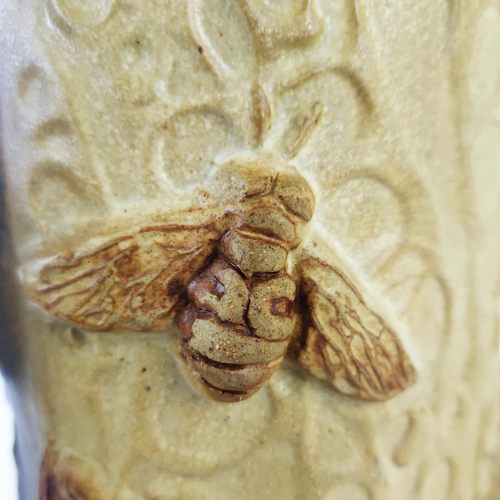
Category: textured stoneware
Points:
column 251, row 248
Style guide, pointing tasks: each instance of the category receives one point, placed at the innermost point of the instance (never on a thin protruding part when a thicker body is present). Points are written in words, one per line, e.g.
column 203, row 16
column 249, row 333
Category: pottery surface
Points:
column 344, row 152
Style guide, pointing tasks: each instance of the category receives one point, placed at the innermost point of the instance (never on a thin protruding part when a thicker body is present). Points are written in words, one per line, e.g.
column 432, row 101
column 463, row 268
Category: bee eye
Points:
column 295, row 194
column 238, row 181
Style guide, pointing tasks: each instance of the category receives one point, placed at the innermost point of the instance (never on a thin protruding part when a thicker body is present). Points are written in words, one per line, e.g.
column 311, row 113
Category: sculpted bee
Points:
column 239, row 304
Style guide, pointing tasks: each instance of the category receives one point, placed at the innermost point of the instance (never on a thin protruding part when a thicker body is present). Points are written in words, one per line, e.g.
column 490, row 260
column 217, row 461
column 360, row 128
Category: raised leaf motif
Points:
column 224, row 37
column 78, row 14
column 191, row 143
column 295, row 22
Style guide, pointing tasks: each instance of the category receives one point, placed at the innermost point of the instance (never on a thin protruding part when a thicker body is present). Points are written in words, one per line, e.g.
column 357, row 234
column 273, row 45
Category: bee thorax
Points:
column 253, row 253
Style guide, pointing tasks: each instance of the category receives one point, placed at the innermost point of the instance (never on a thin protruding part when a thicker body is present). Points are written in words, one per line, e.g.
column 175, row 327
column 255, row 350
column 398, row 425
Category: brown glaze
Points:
column 131, row 282
column 345, row 343
column 67, row 478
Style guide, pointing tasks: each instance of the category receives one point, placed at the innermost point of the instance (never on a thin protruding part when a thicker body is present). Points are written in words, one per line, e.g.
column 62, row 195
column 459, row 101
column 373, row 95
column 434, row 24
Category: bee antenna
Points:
column 260, row 114
column 301, row 129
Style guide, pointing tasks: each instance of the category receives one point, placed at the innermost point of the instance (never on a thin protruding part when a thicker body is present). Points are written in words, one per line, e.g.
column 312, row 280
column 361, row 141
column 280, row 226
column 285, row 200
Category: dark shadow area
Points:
column 10, row 354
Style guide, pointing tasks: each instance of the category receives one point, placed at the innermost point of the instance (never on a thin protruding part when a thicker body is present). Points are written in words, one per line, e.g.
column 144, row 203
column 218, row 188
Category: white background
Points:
column 8, row 479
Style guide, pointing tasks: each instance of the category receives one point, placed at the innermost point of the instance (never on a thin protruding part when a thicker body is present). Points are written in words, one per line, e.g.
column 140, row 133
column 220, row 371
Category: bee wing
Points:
column 344, row 342
column 130, row 282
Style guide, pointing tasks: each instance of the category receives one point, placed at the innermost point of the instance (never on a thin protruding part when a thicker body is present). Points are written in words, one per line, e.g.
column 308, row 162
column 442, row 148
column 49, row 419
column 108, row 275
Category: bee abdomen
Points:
column 229, row 343
column 236, row 330
column 231, row 382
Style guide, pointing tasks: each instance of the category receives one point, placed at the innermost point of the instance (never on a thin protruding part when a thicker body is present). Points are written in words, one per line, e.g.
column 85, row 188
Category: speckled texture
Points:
column 115, row 114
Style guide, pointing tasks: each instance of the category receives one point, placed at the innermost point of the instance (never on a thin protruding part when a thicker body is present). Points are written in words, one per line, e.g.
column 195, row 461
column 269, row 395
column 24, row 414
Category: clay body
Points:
column 288, row 206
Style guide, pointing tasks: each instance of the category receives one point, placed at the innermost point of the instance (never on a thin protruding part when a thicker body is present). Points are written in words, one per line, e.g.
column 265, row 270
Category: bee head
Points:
column 274, row 202
column 243, row 180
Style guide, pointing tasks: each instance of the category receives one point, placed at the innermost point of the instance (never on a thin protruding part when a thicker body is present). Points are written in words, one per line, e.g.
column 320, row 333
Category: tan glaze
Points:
column 225, row 278
column 112, row 112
